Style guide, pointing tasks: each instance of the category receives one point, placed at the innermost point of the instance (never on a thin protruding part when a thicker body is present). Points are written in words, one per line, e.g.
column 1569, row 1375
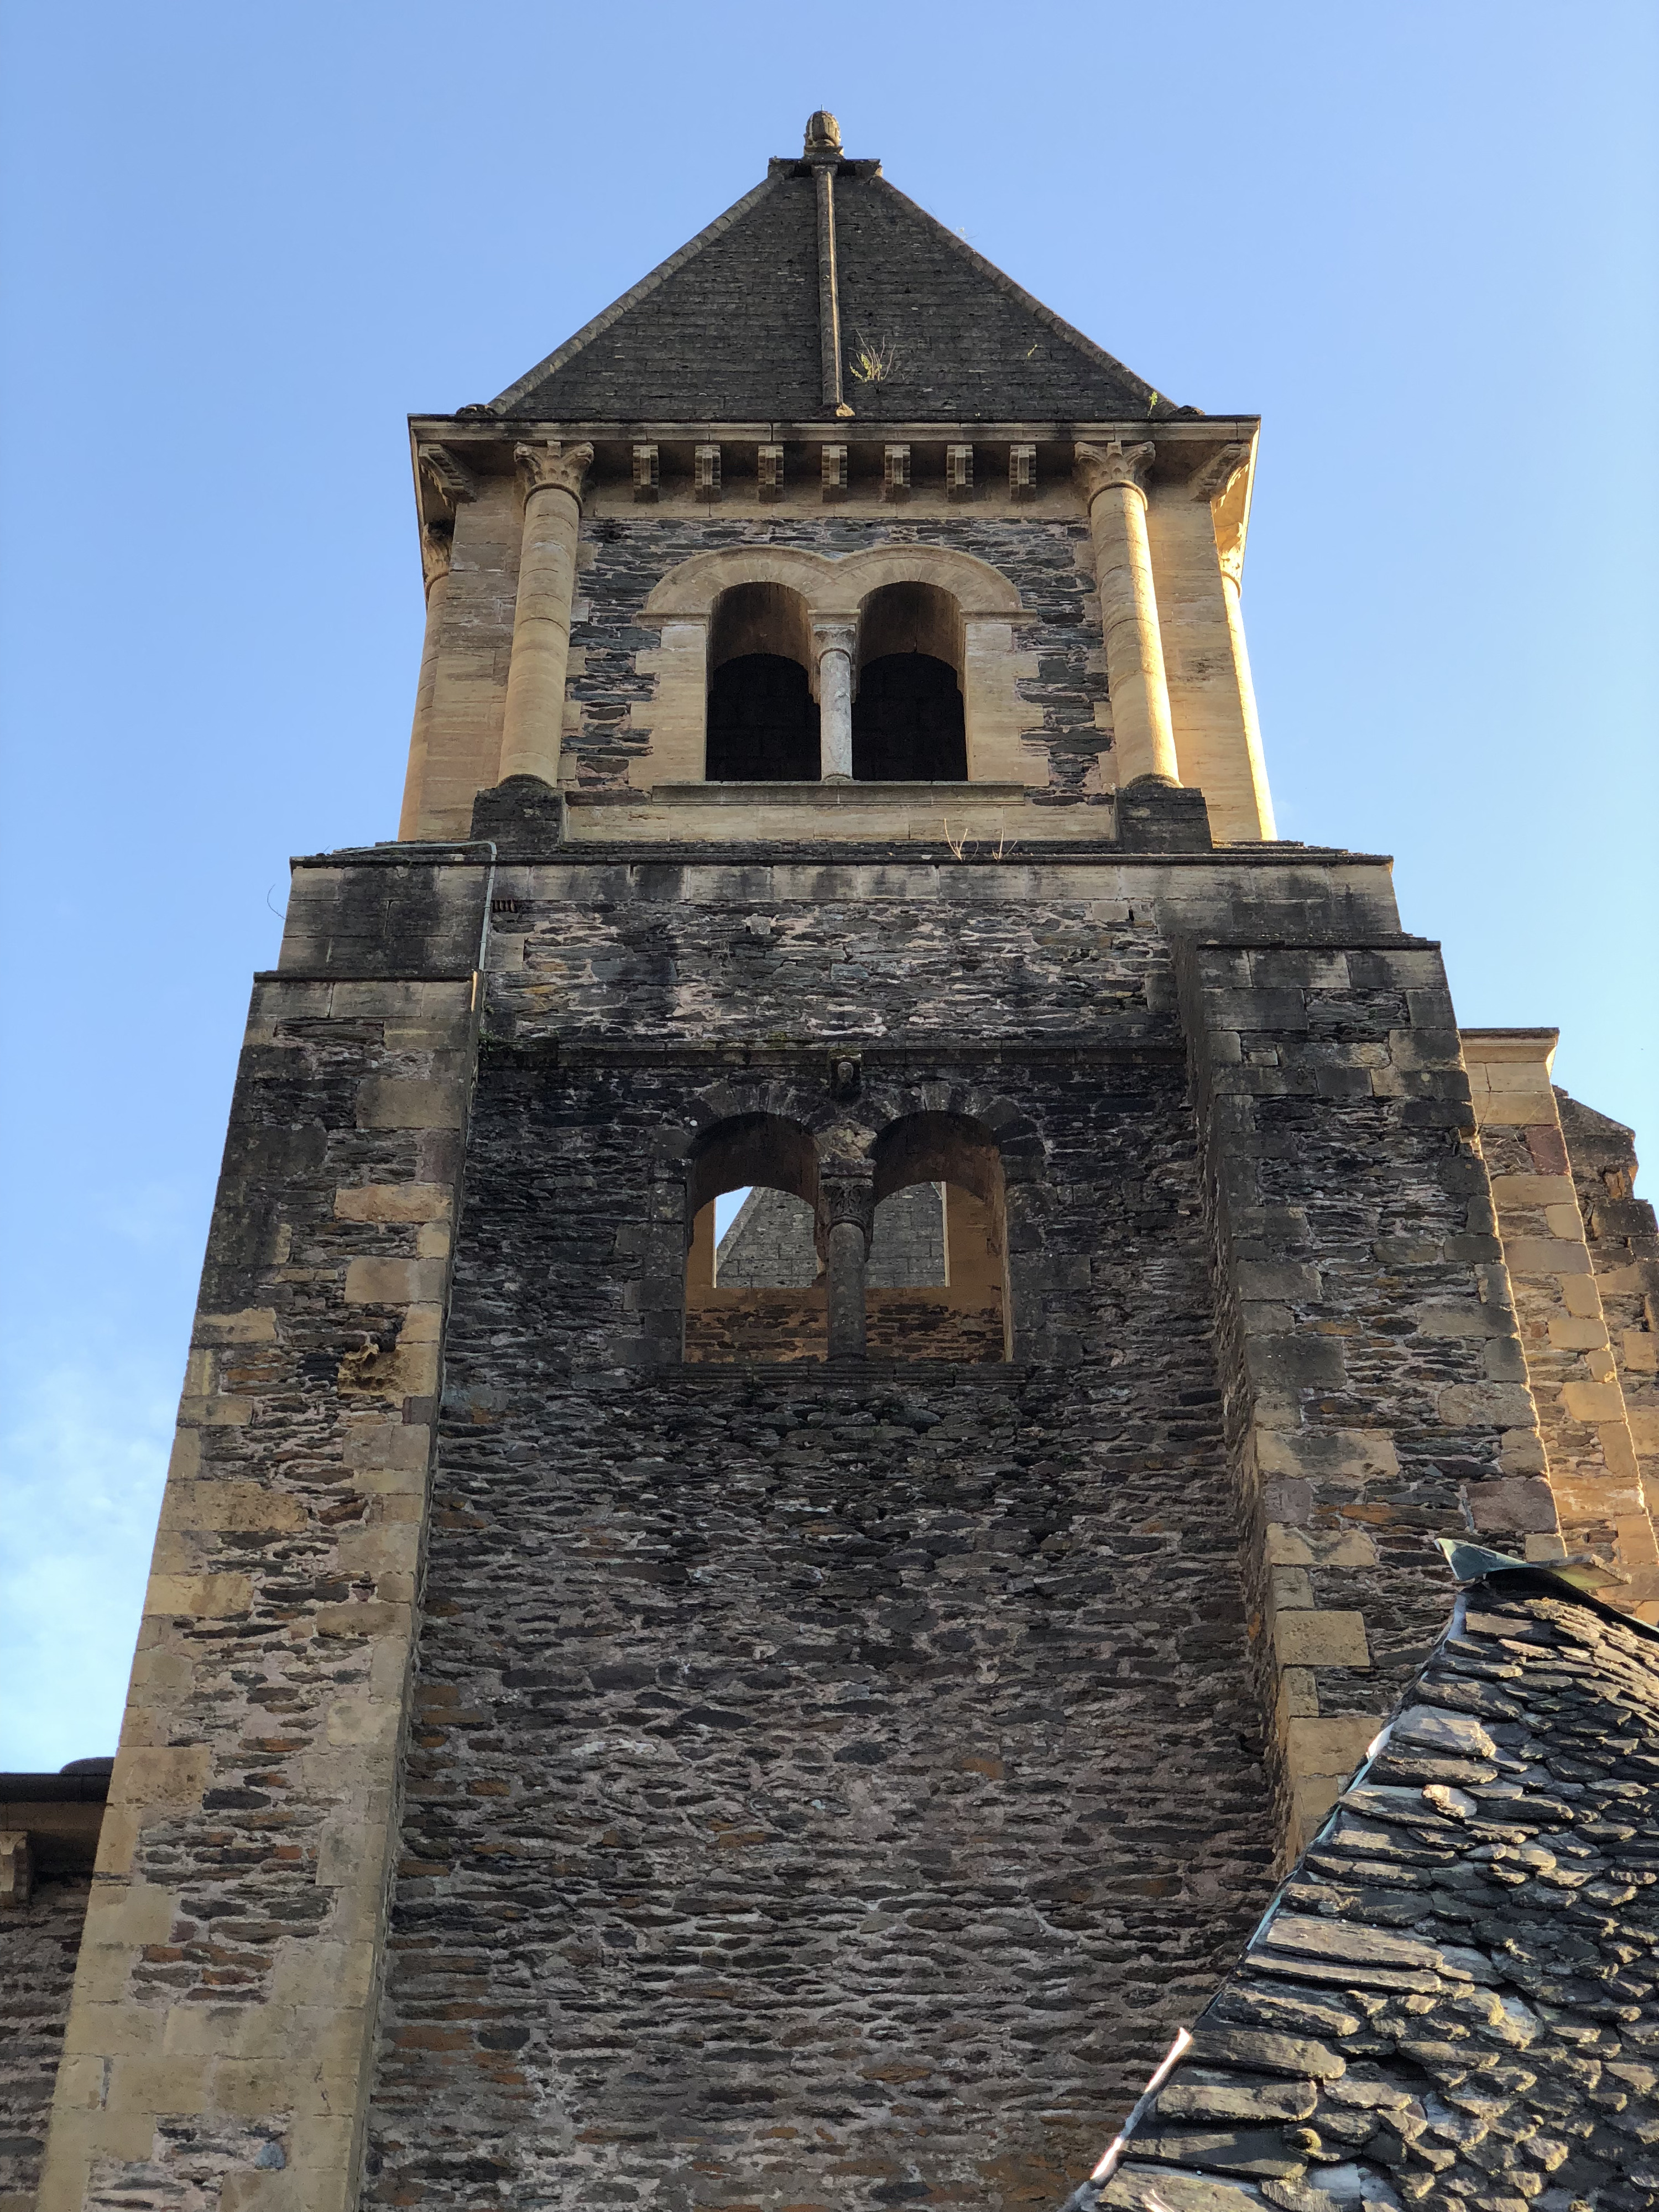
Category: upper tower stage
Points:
column 827, row 529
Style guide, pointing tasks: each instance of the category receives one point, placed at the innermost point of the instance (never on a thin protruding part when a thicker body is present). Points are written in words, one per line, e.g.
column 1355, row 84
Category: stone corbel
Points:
column 706, row 473
column 647, row 474
column 553, row 467
column 451, row 484
column 768, row 473
column 1022, row 471
column 958, row 472
column 1113, row 467
column 832, row 466
column 895, row 472
column 17, row 1867
column 1211, row 479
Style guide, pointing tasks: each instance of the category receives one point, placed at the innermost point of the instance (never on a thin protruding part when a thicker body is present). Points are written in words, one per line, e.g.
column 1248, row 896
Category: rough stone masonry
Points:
column 598, row 1738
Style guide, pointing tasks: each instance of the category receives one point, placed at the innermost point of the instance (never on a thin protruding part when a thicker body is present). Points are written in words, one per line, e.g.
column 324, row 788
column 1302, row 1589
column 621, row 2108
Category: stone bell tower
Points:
column 793, row 1720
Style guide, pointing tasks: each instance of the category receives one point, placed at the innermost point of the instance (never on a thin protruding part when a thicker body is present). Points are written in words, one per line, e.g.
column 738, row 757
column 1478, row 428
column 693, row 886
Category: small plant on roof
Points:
column 873, row 359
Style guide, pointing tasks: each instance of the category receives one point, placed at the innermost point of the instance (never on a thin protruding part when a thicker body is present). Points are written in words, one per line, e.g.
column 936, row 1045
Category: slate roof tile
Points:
column 727, row 328
column 1478, row 1965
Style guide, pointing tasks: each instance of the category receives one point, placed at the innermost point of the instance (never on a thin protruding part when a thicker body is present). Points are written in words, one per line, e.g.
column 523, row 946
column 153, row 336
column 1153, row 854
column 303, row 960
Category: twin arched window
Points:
column 908, row 724
column 936, row 1277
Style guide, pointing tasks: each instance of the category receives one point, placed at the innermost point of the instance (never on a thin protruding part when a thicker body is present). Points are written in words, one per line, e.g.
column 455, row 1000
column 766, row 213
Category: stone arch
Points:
column 936, row 1142
column 833, row 584
column 909, row 712
column 968, row 1129
column 732, row 1135
column 836, row 591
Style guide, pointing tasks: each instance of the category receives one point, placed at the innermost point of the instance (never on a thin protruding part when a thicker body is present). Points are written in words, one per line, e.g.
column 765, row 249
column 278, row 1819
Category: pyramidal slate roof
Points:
column 1454, row 2001
column 765, row 316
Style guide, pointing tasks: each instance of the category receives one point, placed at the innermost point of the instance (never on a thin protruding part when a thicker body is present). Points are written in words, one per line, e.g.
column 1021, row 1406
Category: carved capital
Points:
column 1113, row 467
column 846, row 1192
column 437, row 549
column 1212, row 478
column 554, row 468
column 440, row 468
column 834, row 637
column 1231, row 559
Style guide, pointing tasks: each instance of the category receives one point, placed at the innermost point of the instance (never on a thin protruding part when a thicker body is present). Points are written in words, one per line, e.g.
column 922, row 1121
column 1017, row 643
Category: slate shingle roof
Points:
column 727, row 328
column 1452, row 2002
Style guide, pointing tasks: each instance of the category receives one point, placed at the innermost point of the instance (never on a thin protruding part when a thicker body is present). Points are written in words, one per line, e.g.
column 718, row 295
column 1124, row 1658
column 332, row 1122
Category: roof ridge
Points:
column 648, row 283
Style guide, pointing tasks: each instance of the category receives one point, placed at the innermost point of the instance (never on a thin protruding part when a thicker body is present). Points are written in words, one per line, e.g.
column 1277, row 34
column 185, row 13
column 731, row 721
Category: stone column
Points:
column 1142, row 735
column 1231, row 560
column 835, row 644
column 533, row 728
column 437, row 545
column 848, row 1200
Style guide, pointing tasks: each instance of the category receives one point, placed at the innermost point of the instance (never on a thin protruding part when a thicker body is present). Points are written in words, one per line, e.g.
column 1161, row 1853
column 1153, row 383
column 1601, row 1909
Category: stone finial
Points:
column 822, row 138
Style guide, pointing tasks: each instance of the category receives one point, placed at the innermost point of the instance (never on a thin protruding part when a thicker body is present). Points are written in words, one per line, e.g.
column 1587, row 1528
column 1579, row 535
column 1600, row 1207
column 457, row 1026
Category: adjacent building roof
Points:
column 1452, row 2002
column 730, row 328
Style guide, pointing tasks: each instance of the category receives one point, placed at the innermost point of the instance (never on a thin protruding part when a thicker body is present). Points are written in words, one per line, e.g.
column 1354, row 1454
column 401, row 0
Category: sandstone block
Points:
column 201, row 1598
column 392, row 1202
column 393, row 1282
column 160, row 1776
column 1568, row 1334
column 1594, row 1401
column 1329, row 1746
column 257, row 1325
column 395, row 1102
column 1320, row 1639
column 1340, row 1455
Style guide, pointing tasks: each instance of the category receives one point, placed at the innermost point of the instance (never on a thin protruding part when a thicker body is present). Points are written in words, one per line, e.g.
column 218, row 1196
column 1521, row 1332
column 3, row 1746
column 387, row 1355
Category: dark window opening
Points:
column 774, row 1306
column 908, row 724
column 763, row 723
column 938, row 1175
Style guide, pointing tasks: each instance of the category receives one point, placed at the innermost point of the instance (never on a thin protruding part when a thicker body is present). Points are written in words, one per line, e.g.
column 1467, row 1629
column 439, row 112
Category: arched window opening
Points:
column 760, row 1294
column 763, row 724
column 908, row 724
column 960, row 1312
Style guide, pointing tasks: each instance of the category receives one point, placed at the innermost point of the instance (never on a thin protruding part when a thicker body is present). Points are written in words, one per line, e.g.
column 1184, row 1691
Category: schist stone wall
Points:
column 838, row 1785
column 39, row 1942
column 1049, row 560
column 773, row 1785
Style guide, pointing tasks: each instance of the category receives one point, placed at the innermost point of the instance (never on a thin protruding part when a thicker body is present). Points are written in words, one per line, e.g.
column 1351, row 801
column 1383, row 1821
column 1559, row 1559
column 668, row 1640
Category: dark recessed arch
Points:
column 763, row 724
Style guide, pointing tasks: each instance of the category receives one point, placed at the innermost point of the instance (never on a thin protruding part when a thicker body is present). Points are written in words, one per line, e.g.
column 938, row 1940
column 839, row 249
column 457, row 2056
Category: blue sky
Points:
column 241, row 243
